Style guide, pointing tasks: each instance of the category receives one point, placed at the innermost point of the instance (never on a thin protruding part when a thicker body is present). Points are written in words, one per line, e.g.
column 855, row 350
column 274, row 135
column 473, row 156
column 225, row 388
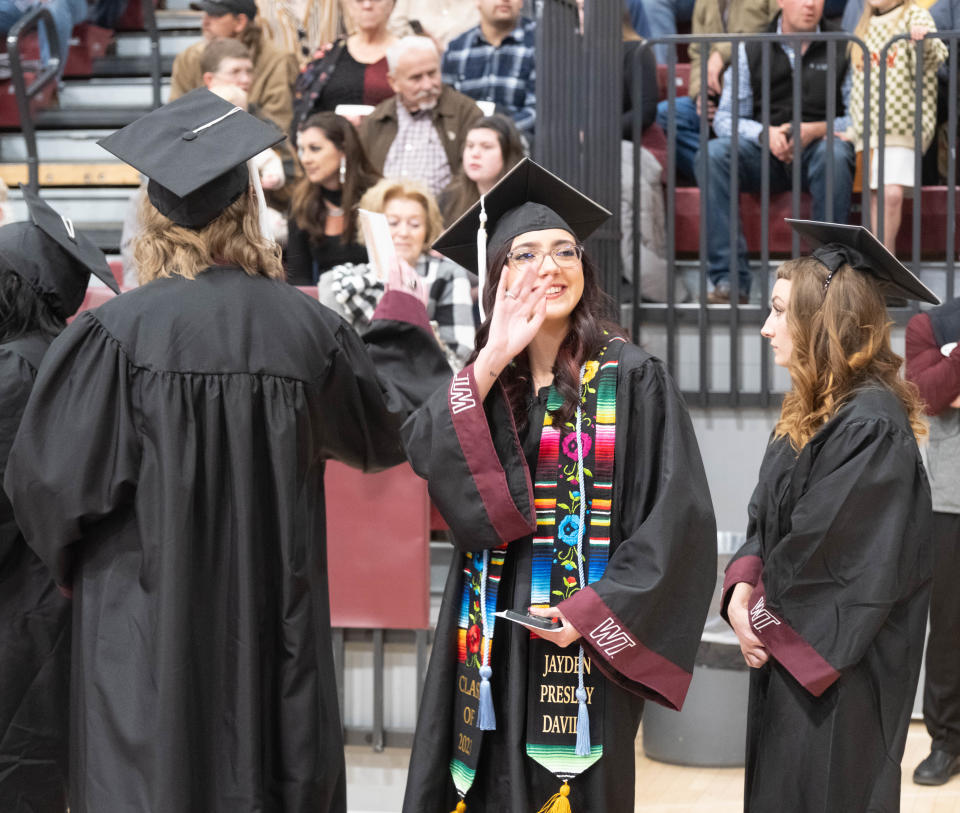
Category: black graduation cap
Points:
column 194, row 151
column 856, row 246
column 527, row 198
column 51, row 256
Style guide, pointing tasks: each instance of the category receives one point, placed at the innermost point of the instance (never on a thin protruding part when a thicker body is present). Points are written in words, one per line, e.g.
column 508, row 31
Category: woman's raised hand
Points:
column 518, row 313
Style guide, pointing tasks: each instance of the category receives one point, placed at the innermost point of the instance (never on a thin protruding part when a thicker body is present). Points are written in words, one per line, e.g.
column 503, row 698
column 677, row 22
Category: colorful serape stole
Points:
column 473, row 649
column 564, row 559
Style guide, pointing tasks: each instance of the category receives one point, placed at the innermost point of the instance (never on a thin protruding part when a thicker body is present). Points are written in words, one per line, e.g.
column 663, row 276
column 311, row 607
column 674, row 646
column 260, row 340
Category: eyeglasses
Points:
column 527, row 258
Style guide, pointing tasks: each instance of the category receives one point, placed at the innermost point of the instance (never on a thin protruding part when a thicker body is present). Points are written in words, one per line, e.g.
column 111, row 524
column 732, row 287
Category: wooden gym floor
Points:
column 671, row 789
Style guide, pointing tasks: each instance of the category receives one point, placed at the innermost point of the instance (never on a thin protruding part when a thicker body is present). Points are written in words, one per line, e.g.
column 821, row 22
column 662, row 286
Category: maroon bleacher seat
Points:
column 681, row 77
column 92, row 43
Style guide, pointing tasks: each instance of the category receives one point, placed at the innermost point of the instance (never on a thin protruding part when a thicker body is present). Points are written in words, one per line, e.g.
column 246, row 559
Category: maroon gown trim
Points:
column 473, row 434
column 790, row 649
column 619, row 654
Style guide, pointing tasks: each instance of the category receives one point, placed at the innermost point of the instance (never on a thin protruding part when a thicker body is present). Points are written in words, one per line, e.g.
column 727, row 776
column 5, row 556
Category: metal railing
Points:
column 49, row 74
column 670, row 320
column 25, row 93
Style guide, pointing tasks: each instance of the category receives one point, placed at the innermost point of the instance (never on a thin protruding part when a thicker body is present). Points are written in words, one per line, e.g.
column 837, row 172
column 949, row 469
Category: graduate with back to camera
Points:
column 169, row 471
column 45, row 265
column 565, row 463
column 829, row 594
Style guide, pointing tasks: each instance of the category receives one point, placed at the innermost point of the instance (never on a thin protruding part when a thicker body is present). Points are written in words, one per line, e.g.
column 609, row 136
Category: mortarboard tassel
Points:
column 486, row 718
column 558, row 803
column 482, row 254
column 583, row 724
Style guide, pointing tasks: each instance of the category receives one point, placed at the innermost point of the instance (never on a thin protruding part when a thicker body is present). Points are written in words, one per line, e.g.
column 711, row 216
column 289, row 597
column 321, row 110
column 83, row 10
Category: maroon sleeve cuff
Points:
column 619, row 655
column 745, row 569
column 399, row 306
column 473, row 434
column 786, row 645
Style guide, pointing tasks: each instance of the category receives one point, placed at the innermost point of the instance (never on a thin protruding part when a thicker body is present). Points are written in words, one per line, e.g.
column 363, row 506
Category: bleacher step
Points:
column 178, row 19
column 131, row 65
column 106, row 93
column 74, row 146
column 102, row 208
column 66, row 174
column 137, row 44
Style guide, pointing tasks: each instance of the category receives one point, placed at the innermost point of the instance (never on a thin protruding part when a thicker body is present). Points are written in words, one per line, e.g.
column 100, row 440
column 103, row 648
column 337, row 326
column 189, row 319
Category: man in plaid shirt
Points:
column 495, row 61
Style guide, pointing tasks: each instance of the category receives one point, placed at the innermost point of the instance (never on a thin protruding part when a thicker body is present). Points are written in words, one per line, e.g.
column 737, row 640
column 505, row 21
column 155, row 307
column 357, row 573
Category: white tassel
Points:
column 262, row 216
column 482, row 254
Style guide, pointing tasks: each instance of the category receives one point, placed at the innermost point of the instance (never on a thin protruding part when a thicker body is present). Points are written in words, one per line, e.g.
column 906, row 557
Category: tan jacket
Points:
column 452, row 117
column 273, row 75
column 743, row 17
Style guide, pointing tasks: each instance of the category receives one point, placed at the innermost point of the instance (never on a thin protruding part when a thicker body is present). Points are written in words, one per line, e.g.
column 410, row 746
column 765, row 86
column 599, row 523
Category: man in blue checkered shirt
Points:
column 495, row 61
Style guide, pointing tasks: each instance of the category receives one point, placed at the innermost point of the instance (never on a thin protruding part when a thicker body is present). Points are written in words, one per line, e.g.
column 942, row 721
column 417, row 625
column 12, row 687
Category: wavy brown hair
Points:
column 841, row 341
column 590, row 328
column 164, row 249
column 307, row 207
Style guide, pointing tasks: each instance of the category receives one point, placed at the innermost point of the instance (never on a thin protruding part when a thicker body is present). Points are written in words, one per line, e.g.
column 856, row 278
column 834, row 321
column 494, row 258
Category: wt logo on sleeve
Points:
column 610, row 638
column 461, row 395
column 761, row 617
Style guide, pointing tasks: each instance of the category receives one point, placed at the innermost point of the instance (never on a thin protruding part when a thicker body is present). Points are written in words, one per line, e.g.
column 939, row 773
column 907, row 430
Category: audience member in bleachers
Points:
column 44, row 269
column 496, row 62
column 933, row 365
column 809, row 145
column 169, row 470
column 442, row 20
column 273, row 70
column 711, row 17
column 227, row 61
column 661, row 18
column 880, row 22
column 491, row 148
column 414, row 220
column 351, row 70
column 322, row 228
column 419, row 132
column 66, row 14
column 828, row 596
column 554, row 398
column 640, row 64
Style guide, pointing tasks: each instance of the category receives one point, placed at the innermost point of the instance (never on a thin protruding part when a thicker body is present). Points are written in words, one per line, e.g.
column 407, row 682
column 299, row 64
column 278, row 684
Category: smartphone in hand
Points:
column 535, row 622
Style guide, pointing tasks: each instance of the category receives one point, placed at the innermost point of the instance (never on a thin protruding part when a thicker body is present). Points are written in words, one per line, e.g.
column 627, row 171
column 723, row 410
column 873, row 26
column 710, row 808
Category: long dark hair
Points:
column 590, row 328
column 23, row 310
column 462, row 192
column 307, row 206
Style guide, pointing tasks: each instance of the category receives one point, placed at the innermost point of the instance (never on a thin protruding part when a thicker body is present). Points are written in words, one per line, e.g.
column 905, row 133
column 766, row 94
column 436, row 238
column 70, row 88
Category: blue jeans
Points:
column 688, row 133
column 813, row 180
column 66, row 14
column 662, row 18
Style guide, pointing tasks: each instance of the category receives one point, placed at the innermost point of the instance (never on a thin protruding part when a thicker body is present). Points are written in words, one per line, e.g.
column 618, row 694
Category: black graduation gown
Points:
column 838, row 546
column 34, row 629
column 657, row 585
column 169, row 470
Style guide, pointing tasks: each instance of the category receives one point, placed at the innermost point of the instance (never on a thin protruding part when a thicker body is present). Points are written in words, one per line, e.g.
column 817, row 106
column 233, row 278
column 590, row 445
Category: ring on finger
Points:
column 510, row 294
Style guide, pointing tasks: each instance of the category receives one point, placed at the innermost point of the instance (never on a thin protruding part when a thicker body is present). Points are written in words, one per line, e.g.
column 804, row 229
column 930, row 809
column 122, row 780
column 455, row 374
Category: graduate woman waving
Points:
column 829, row 594
column 564, row 461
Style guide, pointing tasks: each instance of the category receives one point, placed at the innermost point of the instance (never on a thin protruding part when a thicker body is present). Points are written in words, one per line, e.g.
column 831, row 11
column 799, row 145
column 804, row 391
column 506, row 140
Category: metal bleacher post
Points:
column 156, row 70
column 26, row 94
column 579, row 104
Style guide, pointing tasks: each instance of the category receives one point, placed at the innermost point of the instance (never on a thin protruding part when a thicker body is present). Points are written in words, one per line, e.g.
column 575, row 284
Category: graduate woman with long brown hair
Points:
column 564, row 461
column 828, row 596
